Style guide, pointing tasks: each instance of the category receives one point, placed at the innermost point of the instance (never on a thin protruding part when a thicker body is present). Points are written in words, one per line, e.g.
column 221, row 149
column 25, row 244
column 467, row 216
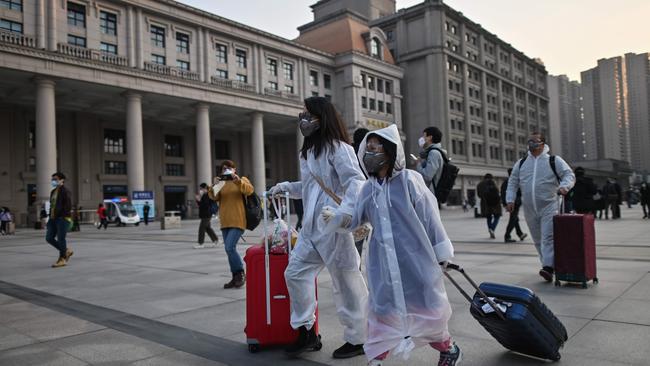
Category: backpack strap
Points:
column 444, row 157
column 521, row 161
column 551, row 161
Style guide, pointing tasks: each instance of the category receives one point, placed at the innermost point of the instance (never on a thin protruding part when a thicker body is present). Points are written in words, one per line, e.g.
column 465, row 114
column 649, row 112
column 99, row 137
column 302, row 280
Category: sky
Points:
column 568, row 35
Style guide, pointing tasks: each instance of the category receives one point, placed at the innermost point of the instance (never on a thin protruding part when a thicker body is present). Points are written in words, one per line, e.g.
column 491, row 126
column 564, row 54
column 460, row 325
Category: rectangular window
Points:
column 272, row 85
column 12, row 4
column 222, row 54
column 108, row 48
column 242, row 78
column 288, row 89
column 108, row 23
column 221, row 149
column 76, row 15
column 288, row 71
column 175, row 170
column 380, row 106
column 240, row 56
column 364, row 102
column 313, row 78
column 387, row 87
column 314, row 94
column 158, row 36
column 76, row 41
column 10, row 26
column 222, row 74
column 157, row 59
column 173, row 146
column 372, row 104
column 327, row 81
column 380, row 85
column 389, row 35
column 183, row 65
column 371, row 83
column 182, row 43
column 389, row 108
column 114, row 141
column 272, row 66
column 115, row 167
column 363, row 80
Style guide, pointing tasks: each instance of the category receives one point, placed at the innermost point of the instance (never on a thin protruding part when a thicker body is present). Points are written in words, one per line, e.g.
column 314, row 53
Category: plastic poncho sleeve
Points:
column 347, row 168
column 513, row 183
column 567, row 178
column 426, row 208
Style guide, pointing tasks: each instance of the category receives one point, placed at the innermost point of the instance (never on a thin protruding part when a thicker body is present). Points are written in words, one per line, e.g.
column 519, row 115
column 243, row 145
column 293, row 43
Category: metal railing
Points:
column 17, row 39
column 91, row 54
column 171, row 71
column 232, row 84
column 281, row 94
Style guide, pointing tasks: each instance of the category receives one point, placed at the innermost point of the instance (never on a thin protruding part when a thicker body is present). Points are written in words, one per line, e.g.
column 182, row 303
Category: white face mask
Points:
column 421, row 142
column 228, row 172
column 54, row 183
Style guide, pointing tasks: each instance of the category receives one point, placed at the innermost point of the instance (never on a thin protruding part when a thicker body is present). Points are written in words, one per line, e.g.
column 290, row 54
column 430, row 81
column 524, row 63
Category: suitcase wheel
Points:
column 557, row 357
column 253, row 348
column 584, row 284
column 558, row 283
column 596, row 280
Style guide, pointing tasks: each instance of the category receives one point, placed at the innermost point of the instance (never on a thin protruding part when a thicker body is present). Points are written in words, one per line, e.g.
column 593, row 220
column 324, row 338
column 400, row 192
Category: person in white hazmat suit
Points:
column 408, row 302
column 540, row 185
column 325, row 156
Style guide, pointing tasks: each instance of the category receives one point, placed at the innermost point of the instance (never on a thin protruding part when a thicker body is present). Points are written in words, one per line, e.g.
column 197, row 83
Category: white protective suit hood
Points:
column 391, row 134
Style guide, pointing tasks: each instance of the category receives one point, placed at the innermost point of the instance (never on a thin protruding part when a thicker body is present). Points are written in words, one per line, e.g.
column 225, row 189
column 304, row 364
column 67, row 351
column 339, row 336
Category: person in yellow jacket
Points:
column 231, row 191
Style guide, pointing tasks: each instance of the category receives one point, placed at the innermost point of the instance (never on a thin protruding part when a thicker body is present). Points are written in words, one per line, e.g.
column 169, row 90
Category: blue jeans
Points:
column 492, row 221
column 231, row 236
column 56, row 230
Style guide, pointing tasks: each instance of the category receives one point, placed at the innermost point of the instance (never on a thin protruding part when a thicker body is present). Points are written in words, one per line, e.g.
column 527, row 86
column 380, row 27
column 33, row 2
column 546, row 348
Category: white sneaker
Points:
column 210, row 245
column 199, row 246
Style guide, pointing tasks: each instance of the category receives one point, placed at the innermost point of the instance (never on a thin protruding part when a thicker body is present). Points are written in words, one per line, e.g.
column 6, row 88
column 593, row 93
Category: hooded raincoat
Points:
column 539, row 187
column 408, row 302
column 317, row 248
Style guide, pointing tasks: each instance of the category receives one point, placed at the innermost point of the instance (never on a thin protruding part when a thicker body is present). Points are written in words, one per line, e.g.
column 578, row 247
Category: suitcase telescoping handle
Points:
column 485, row 297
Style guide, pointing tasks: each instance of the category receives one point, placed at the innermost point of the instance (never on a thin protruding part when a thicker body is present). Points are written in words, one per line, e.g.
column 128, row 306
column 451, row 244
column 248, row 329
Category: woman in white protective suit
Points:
column 408, row 302
column 327, row 157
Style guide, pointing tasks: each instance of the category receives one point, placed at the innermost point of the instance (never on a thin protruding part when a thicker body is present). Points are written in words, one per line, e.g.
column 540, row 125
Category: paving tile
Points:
column 176, row 358
column 640, row 290
column 627, row 311
column 38, row 355
column 11, row 338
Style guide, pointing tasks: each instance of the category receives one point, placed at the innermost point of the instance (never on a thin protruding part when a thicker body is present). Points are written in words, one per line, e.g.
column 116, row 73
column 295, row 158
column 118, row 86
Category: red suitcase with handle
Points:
column 574, row 241
column 268, row 309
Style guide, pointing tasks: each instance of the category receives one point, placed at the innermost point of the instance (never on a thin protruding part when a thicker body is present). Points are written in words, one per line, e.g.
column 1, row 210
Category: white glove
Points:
column 279, row 188
column 327, row 214
column 444, row 265
column 361, row 232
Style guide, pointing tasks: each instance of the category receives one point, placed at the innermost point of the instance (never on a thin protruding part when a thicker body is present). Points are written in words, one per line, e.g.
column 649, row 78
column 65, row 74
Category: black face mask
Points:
column 308, row 125
column 374, row 161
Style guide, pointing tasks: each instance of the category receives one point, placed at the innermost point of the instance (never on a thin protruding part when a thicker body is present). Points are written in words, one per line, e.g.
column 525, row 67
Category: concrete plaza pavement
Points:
column 142, row 296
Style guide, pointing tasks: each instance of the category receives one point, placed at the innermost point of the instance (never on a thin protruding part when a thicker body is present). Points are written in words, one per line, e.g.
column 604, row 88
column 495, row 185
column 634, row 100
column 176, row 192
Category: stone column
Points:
column 51, row 25
column 45, row 137
column 257, row 152
column 203, row 151
column 40, row 25
column 134, row 142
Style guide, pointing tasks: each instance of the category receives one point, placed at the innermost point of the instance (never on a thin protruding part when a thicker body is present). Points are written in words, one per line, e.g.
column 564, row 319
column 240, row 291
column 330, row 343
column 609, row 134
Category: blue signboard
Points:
column 140, row 198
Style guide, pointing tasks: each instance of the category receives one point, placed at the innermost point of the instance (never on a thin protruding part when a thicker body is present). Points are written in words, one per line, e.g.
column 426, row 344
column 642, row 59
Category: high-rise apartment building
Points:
column 566, row 124
column 638, row 104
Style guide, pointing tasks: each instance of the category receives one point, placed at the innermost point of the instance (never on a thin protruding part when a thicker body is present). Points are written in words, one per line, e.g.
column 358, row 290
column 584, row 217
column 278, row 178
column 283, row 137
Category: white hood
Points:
column 391, row 134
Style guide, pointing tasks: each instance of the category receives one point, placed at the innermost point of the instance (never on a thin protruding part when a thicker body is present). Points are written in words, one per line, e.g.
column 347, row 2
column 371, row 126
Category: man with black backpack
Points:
column 490, row 202
column 438, row 173
column 541, row 177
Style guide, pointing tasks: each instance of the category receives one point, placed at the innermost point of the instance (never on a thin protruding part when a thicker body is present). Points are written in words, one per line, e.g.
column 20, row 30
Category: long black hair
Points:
column 332, row 129
column 390, row 149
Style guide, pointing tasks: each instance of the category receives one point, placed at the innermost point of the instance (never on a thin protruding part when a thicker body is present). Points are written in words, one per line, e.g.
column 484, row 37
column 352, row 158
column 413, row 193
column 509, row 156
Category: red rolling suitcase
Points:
column 574, row 242
column 268, row 310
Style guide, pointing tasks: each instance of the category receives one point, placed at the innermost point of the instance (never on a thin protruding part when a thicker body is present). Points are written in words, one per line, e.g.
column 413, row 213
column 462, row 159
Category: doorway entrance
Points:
column 175, row 199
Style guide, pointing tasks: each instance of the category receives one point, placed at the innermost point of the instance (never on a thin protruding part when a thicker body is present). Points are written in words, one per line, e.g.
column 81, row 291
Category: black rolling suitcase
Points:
column 523, row 324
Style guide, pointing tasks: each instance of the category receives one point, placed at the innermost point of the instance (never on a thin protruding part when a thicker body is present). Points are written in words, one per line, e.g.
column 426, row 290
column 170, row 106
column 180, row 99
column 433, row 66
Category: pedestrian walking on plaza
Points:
column 644, row 192
column 60, row 219
column 513, row 221
column 540, row 176
column 205, row 215
column 101, row 214
column 583, row 192
column 431, row 157
column 408, row 305
column 76, row 218
column 145, row 212
column 613, row 199
column 327, row 163
column 5, row 221
column 232, row 215
column 358, row 136
column 490, row 202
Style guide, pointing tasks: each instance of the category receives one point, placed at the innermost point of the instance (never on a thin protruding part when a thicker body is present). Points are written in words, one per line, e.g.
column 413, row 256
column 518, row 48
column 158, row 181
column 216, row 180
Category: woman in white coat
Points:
column 408, row 302
column 327, row 157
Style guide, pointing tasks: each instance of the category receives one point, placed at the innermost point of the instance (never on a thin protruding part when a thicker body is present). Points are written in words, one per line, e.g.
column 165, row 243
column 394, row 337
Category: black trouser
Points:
column 56, row 230
column 646, row 208
column 103, row 222
column 204, row 227
column 513, row 223
column 146, row 218
column 616, row 209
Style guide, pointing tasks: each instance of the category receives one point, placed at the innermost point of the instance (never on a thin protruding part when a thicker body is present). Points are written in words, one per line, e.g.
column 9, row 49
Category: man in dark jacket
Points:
column 60, row 219
column 490, row 202
column 513, row 221
column 205, row 214
column 582, row 193
column 613, row 197
column 644, row 191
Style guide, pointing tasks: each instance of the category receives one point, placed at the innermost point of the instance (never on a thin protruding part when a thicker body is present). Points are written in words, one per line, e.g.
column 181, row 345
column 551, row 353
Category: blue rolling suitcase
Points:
column 522, row 324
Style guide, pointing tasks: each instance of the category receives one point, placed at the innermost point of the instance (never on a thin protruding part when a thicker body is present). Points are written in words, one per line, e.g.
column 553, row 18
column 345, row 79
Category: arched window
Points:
column 375, row 48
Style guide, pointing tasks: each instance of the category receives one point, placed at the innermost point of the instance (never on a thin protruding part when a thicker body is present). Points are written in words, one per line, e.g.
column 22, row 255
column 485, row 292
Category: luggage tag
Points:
column 502, row 306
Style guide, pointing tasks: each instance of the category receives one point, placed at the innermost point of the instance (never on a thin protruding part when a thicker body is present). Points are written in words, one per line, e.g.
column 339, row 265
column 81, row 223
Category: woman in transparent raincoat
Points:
column 408, row 305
